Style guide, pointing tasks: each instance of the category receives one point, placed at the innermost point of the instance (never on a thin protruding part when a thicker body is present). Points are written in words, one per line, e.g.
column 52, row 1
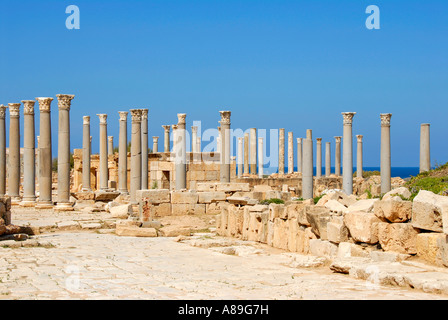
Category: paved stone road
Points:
column 104, row 266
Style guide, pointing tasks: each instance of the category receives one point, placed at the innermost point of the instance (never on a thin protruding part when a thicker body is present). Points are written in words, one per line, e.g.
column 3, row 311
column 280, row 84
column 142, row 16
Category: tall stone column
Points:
column 136, row 155
column 246, row 153
column 319, row 158
column 45, row 155
column 337, row 159
column 86, row 152
column 425, row 150
column 29, row 155
column 194, row 138
column 175, row 127
column 240, row 157
column 14, row 153
column 299, row 155
column 260, row 158
column 359, row 160
column 328, row 159
column 386, row 181
column 104, row 161
column 290, row 152
column 2, row 150
column 64, row 104
column 347, row 159
column 198, row 145
column 225, row 155
column 144, row 128
column 155, row 144
column 181, row 153
column 123, row 154
column 281, row 151
column 167, row 129
column 253, row 151
column 219, row 143
column 110, row 146
column 308, row 167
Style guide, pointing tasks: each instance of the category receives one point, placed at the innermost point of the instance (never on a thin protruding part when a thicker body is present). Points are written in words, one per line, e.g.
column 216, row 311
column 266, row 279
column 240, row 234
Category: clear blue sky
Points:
column 274, row 64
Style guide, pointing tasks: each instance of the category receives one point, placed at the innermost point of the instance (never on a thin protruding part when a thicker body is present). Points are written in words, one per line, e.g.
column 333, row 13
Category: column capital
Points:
column 103, row 118
column 225, row 117
column 182, row 118
column 338, row 139
column 167, row 128
column 155, row 139
column 299, row 140
column 136, row 115
column 65, row 101
column 194, row 129
column 175, row 126
column 3, row 112
column 28, row 107
column 110, row 138
column 44, row 104
column 86, row 120
column 145, row 113
column 123, row 115
column 319, row 140
column 348, row 117
column 385, row 119
column 309, row 134
column 240, row 140
column 14, row 110
column 359, row 137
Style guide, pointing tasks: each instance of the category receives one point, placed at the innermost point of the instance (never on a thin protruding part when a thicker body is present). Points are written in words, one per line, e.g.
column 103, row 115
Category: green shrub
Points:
column 274, row 200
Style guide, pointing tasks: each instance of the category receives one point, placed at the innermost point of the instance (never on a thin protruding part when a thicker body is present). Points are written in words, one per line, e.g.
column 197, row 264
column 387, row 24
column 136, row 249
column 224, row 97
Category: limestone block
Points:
column 335, row 206
column 293, row 230
column 277, row 211
column 393, row 211
column 197, row 175
column 348, row 250
column 258, row 226
column 362, row 205
column 106, row 196
column 148, row 211
column 273, row 194
column 184, row 197
column 182, row 209
column 430, row 212
column 281, row 234
column 124, row 231
column 363, row 226
column 214, row 208
column 232, row 187
column 206, row 187
column 235, row 221
column 121, row 212
column 209, row 197
column 398, row 237
column 286, row 196
column 401, row 192
column 155, row 196
column 270, row 236
column 211, row 175
column 175, row 231
column 323, row 248
column 337, row 232
column 318, row 218
column 84, row 196
column 295, row 210
column 433, row 248
column 262, row 188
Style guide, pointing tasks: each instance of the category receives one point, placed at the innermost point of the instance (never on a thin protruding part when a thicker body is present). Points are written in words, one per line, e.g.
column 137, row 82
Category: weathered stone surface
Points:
column 155, row 196
column 106, row 196
column 132, row 229
column 348, row 250
column 430, row 212
column 363, row 226
column 433, row 248
column 336, row 230
column 277, row 211
column 335, row 206
column 362, row 205
column 281, row 232
column 121, row 212
column 390, row 256
column 400, row 192
column 206, row 187
column 175, row 231
column 180, row 209
column 235, row 221
column 393, row 211
column 214, row 207
column 209, row 197
column 184, row 197
column 398, row 237
column 232, row 187
column 318, row 218
column 85, row 195
column 323, row 248
column 262, row 188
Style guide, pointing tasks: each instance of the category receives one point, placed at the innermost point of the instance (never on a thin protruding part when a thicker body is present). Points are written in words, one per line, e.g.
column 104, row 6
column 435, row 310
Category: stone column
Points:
column 123, row 154
column 281, row 151
column 219, row 143
column 181, row 153
column 347, row 161
column 359, row 165
column 290, row 152
column 167, row 129
column 2, row 150
column 328, row 159
column 136, row 155
column 240, row 157
column 337, row 160
column 144, row 128
column 246, row 153
column 64, row 104
column 385, row 153
column 175, row 127
column 425, row 151
column 260, row 158
column 194, row 138
column 110, row 146
column 225, row 136
column 308, row 168
column 86, row 185
column 45, row 155
column 319, row 158
column 104, row 161
column 253, row 151
column 29, row 155
column 198, row 145
column 155, row 144
column 14, row 153
column 299, row 155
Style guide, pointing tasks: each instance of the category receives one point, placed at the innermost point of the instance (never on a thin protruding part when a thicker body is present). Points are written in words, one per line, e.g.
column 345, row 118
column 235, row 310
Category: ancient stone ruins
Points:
column 370, row 218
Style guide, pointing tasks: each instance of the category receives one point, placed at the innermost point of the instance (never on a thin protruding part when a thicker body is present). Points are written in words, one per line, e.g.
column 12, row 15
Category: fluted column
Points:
column 181, row 153
column 45, row 155
column 86, row 152
column 246, row 153
column 29, row 155
column 240, row 157
column 253, row 151
column 308, row 168
column 104, row 170
column 337, row 159
column 175, row 127
column 299, row 155
column 260, row 158
column 144, row 128
column 2, row 150
column 347, row 159
column 64, row 104
column 328, row 159
column 385, row 153
column 225, row 155
column 123, row 153
column 290, row 152
column 155, row 144
column 14, row 153
column 319, row 158
column 194, row 137
column 136, row 154
column 166, row 138
column 359, row 160
column 425, row 150
column 110, row 146
column 281, row 152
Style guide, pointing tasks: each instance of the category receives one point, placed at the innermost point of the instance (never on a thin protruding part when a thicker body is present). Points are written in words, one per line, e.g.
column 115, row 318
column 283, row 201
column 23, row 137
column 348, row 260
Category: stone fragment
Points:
column 106, row 196
column 401, row 192
column 398, row 237
column 335, row 206
column 121, row 212
column 348, row 250
column 362, row 205
column 318, row 218
column 363, row 226
column 323, row 248
column 430, row 212
column 393, row 211
column 124, row 231
column 154, row 196
column 209, row 197
column 182, row 197
column 336, row 230
column 433, row 248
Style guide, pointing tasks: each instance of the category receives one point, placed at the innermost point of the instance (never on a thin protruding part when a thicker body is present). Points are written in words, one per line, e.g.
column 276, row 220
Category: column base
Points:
column 15, row 201
column 28, row 203
column 44, row 205
column 64, row 207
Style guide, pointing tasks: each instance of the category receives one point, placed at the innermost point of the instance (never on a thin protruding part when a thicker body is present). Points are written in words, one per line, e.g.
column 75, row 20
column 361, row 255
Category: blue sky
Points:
column 275, row 64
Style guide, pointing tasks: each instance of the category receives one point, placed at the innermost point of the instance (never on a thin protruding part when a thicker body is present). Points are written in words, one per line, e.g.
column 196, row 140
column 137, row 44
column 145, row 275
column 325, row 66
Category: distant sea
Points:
column 402, row 172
